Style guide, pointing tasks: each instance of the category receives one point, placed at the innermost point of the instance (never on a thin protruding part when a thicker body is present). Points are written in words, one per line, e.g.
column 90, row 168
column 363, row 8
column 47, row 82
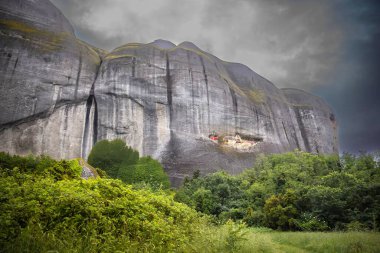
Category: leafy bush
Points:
column 308, row 222
column 293, row 191
column 40, row 165
column 236, row 234
column 46, row 207
column 122, row 162
column 95, row 215
column 111, row 155
column 355, row 226
column 147, row 170
column 280, row 211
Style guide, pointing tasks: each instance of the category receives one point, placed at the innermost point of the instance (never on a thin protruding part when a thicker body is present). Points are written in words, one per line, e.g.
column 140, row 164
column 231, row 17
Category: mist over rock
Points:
column 162, row 44
column 60, row 95
column 189, row 45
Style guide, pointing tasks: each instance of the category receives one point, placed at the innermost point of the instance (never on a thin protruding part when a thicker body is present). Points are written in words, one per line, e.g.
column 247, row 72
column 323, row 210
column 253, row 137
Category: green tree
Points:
column 280, row 211
column 295, row 190
column 110, row 156
column 147, row 170
column 120, row 161
column 328, row 204
column 204, row 201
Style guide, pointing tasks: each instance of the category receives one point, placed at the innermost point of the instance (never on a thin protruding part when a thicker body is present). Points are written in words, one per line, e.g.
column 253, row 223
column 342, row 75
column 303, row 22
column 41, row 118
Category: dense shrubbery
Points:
column 294, row 191
column 122, row 162
column 148, row 171
column 45, row 205
column 40, row 166
column 110, row 156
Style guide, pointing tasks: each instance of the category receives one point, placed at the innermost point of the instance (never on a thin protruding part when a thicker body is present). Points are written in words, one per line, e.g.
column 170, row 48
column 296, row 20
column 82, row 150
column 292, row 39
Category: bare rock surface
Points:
column 46, row 77
column 59, row 95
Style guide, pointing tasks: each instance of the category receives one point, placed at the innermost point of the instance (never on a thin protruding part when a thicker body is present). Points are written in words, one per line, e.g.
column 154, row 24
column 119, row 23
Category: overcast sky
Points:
column 327, row 47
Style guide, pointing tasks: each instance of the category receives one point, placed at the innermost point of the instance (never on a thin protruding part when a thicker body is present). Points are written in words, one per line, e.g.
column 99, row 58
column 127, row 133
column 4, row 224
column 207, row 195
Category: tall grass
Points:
column 226, row 238
column 345, row 242
column 263, row 240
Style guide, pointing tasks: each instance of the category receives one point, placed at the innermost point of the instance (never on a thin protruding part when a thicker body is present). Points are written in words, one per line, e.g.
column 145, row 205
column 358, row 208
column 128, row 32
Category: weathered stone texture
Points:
column 46, row 76
column 59, row 96
column 166, row 101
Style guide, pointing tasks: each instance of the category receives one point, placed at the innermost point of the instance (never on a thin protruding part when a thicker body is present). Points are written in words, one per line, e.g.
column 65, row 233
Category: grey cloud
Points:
column 327, row 47
column 110, row 23
column 353, row 90
column 292, row 43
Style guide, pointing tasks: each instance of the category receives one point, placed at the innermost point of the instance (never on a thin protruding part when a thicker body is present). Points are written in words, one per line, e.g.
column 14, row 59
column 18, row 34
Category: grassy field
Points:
column 261, row 240
column 354, row 242
column 328, row 242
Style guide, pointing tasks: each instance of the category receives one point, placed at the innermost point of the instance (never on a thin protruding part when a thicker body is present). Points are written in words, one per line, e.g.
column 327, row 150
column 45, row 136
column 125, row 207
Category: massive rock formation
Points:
column 59, row 96
column 46, row 77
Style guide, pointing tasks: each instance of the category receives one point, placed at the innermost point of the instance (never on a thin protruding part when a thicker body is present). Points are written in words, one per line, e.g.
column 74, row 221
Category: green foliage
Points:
column 49, row 211
column 308, row 222
column 46, row 207
column 280, row 211
column 147, row 170
column 293, row 191
column 111, row 155
column 216, row 194
column 118, row 160
column 41, row 165
column 236, row 234
column 204, row 201
column 355, row 226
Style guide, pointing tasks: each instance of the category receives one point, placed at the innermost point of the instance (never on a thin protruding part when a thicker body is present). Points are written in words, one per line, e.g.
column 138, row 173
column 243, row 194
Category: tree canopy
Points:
column 293, row 191
column 110, row 156
column 120, row 161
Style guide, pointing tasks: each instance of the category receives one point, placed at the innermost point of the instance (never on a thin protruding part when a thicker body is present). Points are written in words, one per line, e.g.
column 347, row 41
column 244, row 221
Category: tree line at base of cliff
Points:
column 293, row 191
column 46, row 205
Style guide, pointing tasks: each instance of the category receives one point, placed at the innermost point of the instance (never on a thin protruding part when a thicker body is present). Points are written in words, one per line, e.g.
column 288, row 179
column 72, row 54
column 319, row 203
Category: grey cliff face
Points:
column 59, row 96
column 46, row 77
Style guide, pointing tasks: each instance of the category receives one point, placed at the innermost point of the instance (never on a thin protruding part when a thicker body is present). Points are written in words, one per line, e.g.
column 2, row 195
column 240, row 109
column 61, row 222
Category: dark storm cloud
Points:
column 328, row 47
column 354, row 90
column 292, row 43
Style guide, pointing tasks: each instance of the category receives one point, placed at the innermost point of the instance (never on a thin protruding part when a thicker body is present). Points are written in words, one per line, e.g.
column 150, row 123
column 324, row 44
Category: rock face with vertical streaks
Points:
column 59, row 96
column 46, row 77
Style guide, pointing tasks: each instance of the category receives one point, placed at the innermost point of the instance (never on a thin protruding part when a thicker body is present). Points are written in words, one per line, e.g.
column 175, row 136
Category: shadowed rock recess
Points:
column 60, row 95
